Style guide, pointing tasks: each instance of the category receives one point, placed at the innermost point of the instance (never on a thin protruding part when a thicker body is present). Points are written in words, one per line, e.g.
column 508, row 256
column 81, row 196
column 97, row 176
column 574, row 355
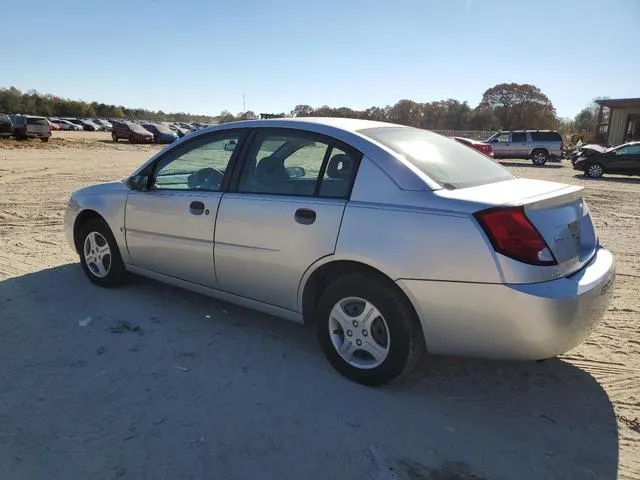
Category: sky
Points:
column 203, row 56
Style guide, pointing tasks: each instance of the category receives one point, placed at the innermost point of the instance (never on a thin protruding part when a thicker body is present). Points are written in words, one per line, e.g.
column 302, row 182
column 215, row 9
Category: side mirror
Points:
column 230, row 147
column 296, row 172
column 138, row 182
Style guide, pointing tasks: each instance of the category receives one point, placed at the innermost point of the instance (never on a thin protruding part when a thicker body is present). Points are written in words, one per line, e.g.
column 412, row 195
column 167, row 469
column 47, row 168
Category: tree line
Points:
column 32, row 102
column 504, row 106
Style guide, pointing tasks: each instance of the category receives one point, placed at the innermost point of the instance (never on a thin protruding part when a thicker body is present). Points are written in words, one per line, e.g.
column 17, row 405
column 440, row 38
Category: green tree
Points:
column 226, row 116
column 586, row 119
column 302, row 111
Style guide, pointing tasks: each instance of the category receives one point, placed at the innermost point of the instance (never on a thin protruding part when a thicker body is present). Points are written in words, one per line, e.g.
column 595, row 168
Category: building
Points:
column 618, row 120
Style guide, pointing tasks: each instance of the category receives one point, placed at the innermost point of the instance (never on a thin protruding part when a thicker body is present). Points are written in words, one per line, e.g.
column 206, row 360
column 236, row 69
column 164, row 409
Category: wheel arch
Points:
column 81, row 219
column 543, row 149
column 320, row 274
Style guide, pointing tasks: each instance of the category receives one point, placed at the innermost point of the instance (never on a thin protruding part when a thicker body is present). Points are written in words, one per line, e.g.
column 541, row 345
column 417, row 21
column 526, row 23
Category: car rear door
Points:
column 284, row 214
column 519, row 145
column 170, row 225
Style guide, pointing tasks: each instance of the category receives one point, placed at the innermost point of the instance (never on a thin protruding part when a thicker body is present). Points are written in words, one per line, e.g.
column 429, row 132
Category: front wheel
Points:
column 114, row 137
column 595, row 170
column 99, row 254
column 368, row 330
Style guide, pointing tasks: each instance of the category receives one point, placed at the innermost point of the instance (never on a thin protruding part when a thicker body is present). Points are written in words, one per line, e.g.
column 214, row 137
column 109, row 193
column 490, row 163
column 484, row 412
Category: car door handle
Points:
column 305, row 216
column 196, row 208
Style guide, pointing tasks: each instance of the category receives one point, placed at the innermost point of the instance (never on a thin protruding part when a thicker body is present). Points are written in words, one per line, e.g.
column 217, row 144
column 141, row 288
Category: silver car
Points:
column 538, row 145
column 389, row 240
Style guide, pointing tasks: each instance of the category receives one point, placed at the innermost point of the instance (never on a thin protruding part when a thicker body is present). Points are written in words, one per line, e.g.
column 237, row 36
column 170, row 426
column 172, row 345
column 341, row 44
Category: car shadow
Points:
column 187, row 382
column 609, row 178
column 528, row 164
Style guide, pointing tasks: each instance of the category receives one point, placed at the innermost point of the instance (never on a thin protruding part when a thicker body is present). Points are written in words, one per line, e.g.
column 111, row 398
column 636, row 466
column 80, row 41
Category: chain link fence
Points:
column 473, row 134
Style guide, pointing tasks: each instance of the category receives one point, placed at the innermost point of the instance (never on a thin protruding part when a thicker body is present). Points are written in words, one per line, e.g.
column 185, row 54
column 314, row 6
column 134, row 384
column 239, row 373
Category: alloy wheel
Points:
column 97, row 254
column 359, row 333
column 595, row 171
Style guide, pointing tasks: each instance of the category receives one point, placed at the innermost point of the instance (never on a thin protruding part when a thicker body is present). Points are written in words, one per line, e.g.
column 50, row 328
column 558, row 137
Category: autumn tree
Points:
column 519, row 106
column 302, row 111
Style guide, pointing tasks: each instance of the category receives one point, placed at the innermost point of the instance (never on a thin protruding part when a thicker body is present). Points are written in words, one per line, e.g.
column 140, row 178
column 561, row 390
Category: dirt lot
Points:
column 148, row 381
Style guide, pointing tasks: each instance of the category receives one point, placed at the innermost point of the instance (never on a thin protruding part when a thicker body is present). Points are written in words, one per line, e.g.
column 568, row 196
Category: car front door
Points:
column 625, row 160
column 169, row 225
column 501, row 145
column 284, row 214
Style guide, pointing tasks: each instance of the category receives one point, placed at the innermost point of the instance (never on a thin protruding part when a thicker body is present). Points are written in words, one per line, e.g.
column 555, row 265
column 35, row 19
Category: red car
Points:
column 130, row 131
column 479, row 146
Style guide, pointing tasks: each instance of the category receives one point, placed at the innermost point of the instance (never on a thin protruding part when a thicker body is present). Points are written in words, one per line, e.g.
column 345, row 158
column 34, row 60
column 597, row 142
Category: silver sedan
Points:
column 389, row 240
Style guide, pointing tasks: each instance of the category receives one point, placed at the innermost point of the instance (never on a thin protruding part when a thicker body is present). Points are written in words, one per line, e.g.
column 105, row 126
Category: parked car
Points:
column 6, row 127
column 67, row 125
column 161, row 133
column 348, row 225
column 104, row 124
column 94, row 127
column 29, row 126
column 84, row 125
column 585, row 151
column 54, row 125
column 130, row 131
column 538, row 145
column 623, row 160
column 482, row 147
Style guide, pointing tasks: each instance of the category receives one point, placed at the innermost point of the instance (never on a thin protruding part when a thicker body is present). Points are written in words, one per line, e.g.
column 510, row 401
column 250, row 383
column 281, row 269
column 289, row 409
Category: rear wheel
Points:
column 99, row 254
column 595, row 170
column 368, row 330
column 539, row 157
column 44, row 139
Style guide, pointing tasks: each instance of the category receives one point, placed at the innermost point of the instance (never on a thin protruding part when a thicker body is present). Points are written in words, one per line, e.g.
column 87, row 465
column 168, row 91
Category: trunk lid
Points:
column 557, row 211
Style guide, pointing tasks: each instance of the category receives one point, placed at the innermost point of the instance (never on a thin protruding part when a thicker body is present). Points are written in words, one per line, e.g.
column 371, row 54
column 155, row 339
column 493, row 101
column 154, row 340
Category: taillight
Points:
column 512, row 234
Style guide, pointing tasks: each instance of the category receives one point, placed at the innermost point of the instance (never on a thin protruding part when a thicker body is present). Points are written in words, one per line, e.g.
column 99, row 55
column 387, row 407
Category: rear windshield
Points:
column 36, row 121
column 446, row 161
column 134, row 127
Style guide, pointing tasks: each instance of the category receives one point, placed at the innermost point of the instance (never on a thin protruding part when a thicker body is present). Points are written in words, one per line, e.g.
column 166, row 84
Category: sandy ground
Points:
column 148, row 381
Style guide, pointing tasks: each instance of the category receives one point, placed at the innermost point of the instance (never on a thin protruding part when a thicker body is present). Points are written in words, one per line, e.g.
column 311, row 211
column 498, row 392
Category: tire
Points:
column 114, row 137
column 539, row 157
column 99, row 254
column 392, row 331
column 44, row 139
column 594, row 170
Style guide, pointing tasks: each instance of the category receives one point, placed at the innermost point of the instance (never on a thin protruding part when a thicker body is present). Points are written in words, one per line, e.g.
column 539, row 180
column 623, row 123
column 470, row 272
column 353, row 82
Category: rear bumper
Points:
column 518, row 322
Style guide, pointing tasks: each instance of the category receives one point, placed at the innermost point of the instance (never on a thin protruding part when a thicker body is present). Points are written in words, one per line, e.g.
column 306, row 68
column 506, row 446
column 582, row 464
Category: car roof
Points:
column 347, row 130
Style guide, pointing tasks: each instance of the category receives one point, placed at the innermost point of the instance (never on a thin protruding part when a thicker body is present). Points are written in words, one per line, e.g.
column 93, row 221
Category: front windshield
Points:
column 446, row 161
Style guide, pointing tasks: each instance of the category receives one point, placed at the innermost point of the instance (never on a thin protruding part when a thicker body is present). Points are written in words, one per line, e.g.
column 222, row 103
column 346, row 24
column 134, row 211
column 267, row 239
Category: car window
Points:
column 519, row 137
column 446, row 161
column 287, row 164
column 338, row 174
column 629, row 150
column 198, row 165
column 502, row 137
column 36, row 121
column 545, row 136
